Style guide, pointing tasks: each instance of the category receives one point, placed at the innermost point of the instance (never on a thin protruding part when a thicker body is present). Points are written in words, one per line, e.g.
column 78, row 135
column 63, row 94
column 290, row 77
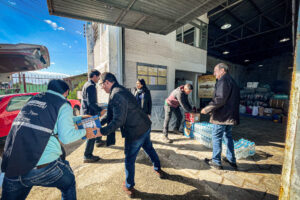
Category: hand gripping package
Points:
column 91, row 122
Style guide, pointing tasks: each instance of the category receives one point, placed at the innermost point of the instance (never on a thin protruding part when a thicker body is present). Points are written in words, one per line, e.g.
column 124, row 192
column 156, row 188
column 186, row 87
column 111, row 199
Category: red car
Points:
column 11, row 104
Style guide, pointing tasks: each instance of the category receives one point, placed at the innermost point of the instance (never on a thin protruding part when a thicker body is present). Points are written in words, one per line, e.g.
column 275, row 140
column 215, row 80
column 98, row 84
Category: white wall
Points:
column 101, row 58
column 160, row 50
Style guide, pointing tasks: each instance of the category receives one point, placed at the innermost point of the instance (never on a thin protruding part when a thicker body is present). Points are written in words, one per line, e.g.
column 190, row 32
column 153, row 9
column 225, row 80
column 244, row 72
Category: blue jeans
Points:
column 57, row 174
column 132, row 149
column 89, row 148
column 219, row 132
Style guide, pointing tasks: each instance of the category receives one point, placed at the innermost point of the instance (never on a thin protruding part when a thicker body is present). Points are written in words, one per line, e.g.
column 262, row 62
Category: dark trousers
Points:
column 168, row 115
column 89, row 147
column 132, row 149
column 57, row 174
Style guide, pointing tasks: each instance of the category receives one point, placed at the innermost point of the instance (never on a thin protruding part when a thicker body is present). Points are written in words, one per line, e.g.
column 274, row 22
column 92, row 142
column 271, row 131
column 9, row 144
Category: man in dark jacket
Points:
column 224, row 110
column 89, row 106
column 179, row 97
column 123, row 112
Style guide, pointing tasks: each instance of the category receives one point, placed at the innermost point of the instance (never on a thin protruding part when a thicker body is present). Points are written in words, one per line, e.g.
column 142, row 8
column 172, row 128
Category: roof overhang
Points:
column 155, row 16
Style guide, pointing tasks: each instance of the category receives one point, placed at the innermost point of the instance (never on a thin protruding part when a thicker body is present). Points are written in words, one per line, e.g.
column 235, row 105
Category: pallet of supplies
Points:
column 91, row 122
column 203, row 133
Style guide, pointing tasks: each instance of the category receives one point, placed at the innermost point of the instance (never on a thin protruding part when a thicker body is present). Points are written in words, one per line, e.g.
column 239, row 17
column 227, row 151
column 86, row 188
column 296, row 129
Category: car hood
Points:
column 23, row 57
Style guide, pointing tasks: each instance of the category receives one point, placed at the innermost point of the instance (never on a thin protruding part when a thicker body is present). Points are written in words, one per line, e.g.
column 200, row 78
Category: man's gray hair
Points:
column 223, row 66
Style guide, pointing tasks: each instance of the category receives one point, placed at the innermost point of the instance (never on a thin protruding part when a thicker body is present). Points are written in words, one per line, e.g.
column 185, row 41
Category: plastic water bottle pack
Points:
column 242, row 148
column 203, row 133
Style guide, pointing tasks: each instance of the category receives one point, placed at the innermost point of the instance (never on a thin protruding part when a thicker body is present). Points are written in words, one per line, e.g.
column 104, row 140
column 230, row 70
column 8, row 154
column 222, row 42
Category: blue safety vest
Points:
column 30, row 133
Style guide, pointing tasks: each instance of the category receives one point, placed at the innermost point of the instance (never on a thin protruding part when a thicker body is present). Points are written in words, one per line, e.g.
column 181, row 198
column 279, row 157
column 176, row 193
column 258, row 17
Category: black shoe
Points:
column 166, row 139
column 176, row 131
column 100, row 144
column 230, row 163
column 91, row 159
column 161, row 174
column 212, row 164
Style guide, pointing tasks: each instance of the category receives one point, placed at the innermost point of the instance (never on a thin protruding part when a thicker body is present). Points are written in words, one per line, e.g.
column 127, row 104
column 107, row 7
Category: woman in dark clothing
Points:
column 143, row 96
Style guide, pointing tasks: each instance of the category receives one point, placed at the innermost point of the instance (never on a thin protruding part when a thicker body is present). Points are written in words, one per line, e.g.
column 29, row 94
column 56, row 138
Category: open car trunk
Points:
column 23, row 57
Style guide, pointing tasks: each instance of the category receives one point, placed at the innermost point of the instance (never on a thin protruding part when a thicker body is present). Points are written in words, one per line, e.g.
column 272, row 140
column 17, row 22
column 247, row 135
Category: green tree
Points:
column 73, row 93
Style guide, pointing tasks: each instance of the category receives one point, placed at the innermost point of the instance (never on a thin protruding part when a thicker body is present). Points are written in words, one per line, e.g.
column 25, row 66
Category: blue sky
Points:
column 28, row 21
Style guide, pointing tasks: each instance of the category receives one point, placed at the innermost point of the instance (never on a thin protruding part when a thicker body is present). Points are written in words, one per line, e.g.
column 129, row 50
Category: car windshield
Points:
column 17, row 103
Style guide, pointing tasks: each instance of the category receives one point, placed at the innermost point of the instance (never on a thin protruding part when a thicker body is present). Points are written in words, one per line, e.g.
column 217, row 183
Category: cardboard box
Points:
column 192, row 117
column 277, row 111
column 278, row 103
column 189, row 125
column 188, row 133
column 284, row 119
column 91, row 122
column 261, row 111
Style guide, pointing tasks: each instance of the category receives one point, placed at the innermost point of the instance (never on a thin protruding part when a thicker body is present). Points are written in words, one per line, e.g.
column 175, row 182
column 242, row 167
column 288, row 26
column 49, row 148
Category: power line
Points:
column 19, row 10
column 30, row 15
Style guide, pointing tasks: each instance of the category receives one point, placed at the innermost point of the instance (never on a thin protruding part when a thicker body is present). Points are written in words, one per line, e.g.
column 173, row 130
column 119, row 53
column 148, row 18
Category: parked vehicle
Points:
column 10, row 106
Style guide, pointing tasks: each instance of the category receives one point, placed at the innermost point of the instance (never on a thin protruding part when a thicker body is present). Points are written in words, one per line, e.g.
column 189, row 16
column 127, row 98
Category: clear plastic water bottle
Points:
column 252, row 149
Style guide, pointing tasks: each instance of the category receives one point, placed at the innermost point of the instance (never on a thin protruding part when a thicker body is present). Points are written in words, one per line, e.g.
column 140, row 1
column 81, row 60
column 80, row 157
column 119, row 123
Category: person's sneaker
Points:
column 212, row 164
column 100, row 143
column 230, row 163
column 176, row 131
column 129, row 191
column 161, row 174
column 92, row 159
column 165, row 139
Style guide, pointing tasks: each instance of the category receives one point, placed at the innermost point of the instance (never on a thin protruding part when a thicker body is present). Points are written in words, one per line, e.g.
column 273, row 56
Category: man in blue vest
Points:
column 32, row 154
column 89, row 106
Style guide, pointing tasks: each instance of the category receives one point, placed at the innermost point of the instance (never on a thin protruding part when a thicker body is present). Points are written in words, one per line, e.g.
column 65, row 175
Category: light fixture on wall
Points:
column 246, row 60
column 226, row 26
column 260, row 65
column 226, row 52
column 284, row 40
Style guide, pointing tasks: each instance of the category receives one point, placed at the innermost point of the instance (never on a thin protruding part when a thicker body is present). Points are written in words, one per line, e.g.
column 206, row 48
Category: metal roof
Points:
column 155, row 16
column 257, row 27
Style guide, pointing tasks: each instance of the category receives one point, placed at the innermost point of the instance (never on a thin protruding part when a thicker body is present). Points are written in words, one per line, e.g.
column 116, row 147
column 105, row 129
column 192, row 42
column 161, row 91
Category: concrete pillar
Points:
column 290, row 180
column 90, row 46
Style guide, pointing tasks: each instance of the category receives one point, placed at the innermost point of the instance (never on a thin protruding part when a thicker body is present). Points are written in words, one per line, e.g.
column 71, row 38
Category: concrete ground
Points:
column 189, row 176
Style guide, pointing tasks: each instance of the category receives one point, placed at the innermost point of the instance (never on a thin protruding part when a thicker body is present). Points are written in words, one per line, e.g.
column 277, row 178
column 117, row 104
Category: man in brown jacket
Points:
column 224, row 110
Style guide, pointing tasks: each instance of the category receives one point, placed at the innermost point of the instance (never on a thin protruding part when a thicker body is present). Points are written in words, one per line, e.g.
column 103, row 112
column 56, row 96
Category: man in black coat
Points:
column 124, row 112
column 89, row 106
column 224, row 110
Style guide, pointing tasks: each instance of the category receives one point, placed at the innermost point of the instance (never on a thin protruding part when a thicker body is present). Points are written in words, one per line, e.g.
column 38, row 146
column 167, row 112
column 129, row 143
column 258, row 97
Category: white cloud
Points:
column 52, row 63
column 78, row 32
column 54, row 25
column 70, row 46
column 64, row 44
column 12, row 3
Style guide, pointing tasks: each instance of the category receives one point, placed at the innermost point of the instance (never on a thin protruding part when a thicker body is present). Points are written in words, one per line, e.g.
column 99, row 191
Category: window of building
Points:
column 155, row 76
column 194, row 36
